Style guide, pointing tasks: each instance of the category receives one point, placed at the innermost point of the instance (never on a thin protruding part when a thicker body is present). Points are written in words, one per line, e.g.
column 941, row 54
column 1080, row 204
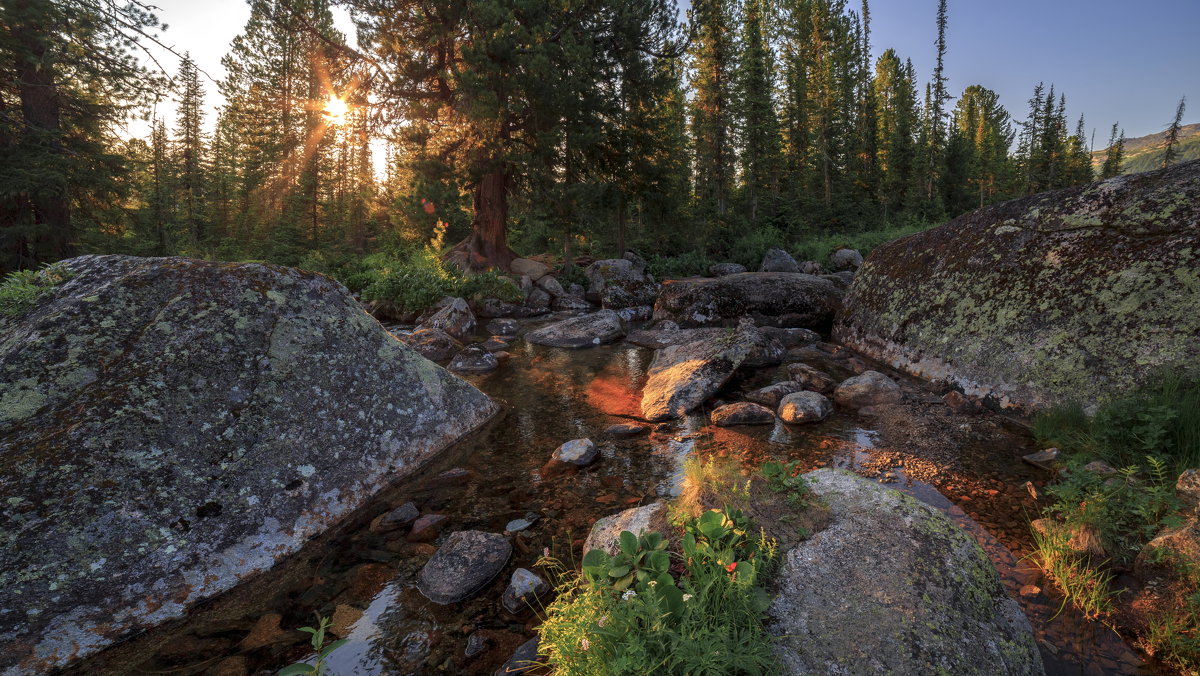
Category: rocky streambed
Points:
column 365, row 573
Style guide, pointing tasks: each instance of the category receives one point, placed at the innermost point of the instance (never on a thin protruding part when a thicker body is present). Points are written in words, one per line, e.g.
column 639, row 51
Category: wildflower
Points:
column 652, row 583
column 628, row 595
column 731, row 567
column 602, row 621
column 546, row 552
column 687, row 597
column 584, row 644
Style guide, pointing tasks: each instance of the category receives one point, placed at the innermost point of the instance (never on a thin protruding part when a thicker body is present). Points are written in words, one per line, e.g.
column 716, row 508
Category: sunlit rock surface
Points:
column 1070, row 295
column 893, row 586
column 169, row 426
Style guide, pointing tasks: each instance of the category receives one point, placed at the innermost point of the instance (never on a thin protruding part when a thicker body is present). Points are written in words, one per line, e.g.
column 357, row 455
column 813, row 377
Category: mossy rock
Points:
column 171, row 426
column 1078, row 294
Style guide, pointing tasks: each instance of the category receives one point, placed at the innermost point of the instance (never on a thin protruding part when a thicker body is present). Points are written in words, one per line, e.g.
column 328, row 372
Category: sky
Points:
column 1116, row 60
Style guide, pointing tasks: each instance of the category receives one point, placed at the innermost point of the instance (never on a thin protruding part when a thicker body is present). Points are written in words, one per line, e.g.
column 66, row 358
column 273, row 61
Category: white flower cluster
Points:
column 628, row 595
column 687, row 597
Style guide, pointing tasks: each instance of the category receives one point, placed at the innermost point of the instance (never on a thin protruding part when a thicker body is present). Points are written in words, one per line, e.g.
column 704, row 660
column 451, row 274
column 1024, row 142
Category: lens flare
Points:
column 336, row 109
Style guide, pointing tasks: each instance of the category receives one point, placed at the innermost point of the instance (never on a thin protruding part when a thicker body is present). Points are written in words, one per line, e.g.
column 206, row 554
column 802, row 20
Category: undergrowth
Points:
column 22, row 289
column 412, row 281
column 648, row 611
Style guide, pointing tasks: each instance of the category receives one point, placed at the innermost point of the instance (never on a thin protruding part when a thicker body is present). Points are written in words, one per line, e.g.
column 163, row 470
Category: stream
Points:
column 967, row 466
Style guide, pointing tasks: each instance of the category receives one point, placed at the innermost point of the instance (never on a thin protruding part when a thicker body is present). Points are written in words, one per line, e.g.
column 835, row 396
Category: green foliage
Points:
column 818, row 248
column 414, row 281
column 318, row 667
column 784, row 477
column 1174, row 635
column 686, row 264
column 629, row 614
column 1085, row 586
column 21, row 290
column 1160, row 419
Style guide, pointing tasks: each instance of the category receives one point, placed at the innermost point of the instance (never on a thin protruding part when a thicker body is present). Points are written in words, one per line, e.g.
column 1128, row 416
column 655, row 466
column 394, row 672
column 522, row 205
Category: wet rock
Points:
column 778, row 260
column 503, row 327
column 190, row 421
column 463, row 565
column 396, row 519
column 626, row 430
column 637, row 520
column 433, row 344
column 427, row 528
column 570, row 456
column 658, row 338
column 766, row 351
column 455, row 476
column 842, row 280
column 538, row 300
column 1072, row 295
column 811, row 378
column 534, row 270
column 1043, row 459
column 344, row 618
column 585, row 331
column 791, row 337
column 846, row 259
column 496, row 308
column 872, row 388
column 636, row 314
column 455, row 318
column 682, row 377
column 477, row 644
column 962, row 403
column 742, row 413
column 524, row 660
column 474, row 360
column 722, row 269
column 771, row 395
column 769, row 298
column 266, row 630
column 620, row 283
column 551, row 286
column 569, row 303
column 232, row 666
column 493, row 344
column 524, row 591
column 524, row 523
column 1187, row 491
column 804, row 407
column 911, row 570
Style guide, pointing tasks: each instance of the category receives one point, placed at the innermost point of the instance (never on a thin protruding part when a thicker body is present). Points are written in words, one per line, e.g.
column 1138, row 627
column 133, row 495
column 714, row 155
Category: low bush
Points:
column 646, row 611
column 21, row 290
column 687, row 264
column 413, row 281
column 819, row 247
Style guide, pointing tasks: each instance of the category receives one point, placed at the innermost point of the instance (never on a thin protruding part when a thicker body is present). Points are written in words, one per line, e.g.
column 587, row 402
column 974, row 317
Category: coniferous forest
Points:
column 579, row 128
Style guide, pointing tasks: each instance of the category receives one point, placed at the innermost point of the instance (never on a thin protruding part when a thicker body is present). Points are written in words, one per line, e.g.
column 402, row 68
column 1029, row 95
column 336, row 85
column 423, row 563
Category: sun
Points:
column 336, row 109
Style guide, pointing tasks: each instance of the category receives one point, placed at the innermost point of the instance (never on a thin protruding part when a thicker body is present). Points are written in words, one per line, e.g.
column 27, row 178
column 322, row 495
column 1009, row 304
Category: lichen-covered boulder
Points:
column 583, row 331
column 681, row 377
column 893, row 586
column 620, row 282
column 1077, row 294
column 169, row 427
column 778, row 260
column 788, row 299
column 463, row 565
column 454, row 317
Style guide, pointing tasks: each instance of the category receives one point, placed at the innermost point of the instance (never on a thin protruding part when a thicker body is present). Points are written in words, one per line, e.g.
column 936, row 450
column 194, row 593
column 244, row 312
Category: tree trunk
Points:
column 487, row 246
column 620, row 226
column 42, row 129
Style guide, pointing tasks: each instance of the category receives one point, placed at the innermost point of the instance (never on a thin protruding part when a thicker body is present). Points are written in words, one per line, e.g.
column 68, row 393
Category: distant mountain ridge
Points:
column 1145, row 152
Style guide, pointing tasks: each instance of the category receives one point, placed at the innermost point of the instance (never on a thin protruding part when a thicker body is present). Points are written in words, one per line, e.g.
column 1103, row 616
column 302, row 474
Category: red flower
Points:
column 731, row 567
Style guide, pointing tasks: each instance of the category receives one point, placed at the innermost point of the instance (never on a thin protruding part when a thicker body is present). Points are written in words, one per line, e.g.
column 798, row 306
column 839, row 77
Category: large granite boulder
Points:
column 169, row 427
column 583, row 331
column 770, row 298
column 1077, row 294
column 620, row 282
column 778, row 260
column 893, row 586
column 682, row 377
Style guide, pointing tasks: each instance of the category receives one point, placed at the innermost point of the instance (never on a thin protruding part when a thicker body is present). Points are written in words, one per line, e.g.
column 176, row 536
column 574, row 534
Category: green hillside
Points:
column 1145, row 152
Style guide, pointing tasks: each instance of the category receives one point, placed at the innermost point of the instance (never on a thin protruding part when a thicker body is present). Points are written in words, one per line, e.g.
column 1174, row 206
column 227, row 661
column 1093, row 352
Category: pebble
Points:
column 427, row 528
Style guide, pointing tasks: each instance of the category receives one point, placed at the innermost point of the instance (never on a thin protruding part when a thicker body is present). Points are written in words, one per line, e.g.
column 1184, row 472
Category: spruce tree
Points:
column 895, row 92
column 758, row 124
column 1115, row 156
column 712, row 66
column 1171, row 147
column 189, row 143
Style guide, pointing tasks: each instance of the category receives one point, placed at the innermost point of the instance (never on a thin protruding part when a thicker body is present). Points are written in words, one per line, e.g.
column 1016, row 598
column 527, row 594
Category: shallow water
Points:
column 366, row 581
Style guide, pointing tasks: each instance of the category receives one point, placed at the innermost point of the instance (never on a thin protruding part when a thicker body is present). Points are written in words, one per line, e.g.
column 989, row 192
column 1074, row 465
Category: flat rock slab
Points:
column 168, row 427
column 782, row 299
column 682, row 377
column 893, row 586
column 583, row 331
column 465, row 563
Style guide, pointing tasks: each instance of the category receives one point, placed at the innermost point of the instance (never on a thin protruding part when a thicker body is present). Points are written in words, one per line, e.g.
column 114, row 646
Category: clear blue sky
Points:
column 1115, row 60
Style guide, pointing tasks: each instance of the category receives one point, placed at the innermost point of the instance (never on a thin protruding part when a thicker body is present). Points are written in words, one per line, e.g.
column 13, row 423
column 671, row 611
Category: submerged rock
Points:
column 1074, row 295
column 463, row 565
column 524, row 660
column 769, row 298
column 772, row 394
column 811, row 378
column 503, row 327
column 433, row 344
column 893, row 586
column 169, row 427
column 525, row 590
column 572, row 455
column 872, row 388
column 584, row 331
column 474, row 360
column 742, row 413
column 681, row 377
column 626, row 430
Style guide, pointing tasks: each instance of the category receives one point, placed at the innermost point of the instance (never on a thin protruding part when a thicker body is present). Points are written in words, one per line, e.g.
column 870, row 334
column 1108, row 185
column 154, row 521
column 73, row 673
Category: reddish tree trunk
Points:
column 487, row 246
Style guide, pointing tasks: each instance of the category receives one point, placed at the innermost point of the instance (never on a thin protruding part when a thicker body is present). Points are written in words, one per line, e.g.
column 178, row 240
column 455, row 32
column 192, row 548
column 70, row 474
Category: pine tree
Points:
column 935, row 118
column 758, row 123
column 1171, row 148
column 896, row 121
column 189, row 141
column 1115, row 157
column 712, row 65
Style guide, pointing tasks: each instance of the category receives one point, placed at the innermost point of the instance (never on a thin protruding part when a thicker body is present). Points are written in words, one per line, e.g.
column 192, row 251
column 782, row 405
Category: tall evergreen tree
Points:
column 935, row 117
column 895, row 91
column 1171, row 147
column 189, row 142
column 1114, row 158
column 981, row 134
column 758, row 123
column 712, row 64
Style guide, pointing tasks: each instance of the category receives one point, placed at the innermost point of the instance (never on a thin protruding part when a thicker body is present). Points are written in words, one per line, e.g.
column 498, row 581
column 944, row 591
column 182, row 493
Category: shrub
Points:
column 819, row 247
column 686, row 264
column 628, row 614
column 413, row 281
column 21, row 290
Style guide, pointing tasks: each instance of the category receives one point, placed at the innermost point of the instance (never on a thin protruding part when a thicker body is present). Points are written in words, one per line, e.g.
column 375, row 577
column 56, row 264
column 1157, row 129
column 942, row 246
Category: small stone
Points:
column 474, row 360
column 804, row 407
column 625, row 430
column 395, row 519
column 742, row 413
column 494, row 344
column 524, row 590
column 962, row 403
column 1030, row 590
column 518, row 525
column 427, row 528
column 1043, row 459
column 503, row 327
column 810, row 378
column 477, row 644
column 463, row 565
column 572, row 455
column 771, row 395
column 523, row 660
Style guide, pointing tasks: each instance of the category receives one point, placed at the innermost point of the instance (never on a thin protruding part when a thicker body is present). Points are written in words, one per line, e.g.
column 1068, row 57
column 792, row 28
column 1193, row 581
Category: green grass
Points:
column 413, row 281
column 645, row 611
column 21, row 290
column 818, row 248
column 1085, row 586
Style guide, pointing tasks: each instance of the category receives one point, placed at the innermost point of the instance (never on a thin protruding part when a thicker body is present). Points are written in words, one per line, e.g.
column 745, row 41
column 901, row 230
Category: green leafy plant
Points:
column 1084, row 585
column 415, row 279
column 21, row 290
column 785, row 477
column 318, row 667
